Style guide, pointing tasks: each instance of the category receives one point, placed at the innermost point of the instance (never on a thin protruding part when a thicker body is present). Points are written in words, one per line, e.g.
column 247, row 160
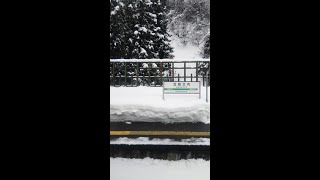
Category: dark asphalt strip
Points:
column 157, row 126
column 167, row 152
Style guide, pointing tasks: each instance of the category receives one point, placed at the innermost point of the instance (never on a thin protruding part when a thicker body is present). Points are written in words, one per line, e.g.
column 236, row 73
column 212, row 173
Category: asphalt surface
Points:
column 157, row 126
column 169, row 152
column 187, row 129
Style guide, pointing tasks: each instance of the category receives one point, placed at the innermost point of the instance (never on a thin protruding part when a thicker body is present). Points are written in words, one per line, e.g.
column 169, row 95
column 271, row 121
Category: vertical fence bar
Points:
column 185, row 71
column 203, row 79
column 191, row 77
column 172, row 73
column 209, row 73
column 149, row 81
column 207, row 86
column 199, row 89
column 155, row 77
column 131, row 80
column 113, row 77
column 143, row 80
column 125, row 74
column 137, row 74
column 197, row 71
column 160, row 73
column 178, row 77
column 163, row 92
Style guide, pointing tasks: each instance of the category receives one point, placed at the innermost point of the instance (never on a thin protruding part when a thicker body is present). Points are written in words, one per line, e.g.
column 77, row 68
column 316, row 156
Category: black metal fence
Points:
column 152, row 73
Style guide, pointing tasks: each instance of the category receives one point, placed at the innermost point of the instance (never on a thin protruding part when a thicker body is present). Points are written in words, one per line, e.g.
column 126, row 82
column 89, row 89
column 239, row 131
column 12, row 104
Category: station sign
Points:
column 181, row 88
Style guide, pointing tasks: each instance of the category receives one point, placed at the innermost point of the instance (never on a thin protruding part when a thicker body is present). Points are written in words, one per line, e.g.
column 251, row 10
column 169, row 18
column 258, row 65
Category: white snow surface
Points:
column 181, row 51
column 153, row 169
column 145, row 104
column 157, row 141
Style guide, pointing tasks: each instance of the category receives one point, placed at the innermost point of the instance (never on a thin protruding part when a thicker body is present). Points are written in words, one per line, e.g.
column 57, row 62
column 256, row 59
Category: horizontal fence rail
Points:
column 152, row 72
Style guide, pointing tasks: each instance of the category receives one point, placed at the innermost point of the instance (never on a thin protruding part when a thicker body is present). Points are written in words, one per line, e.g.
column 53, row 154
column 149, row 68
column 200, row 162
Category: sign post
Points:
column 163, row 90
column 207, row 87
column 199, row 89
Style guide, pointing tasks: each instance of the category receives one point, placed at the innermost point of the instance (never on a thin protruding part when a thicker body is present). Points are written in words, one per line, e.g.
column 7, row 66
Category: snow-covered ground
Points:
column 181, row 51
column 184, row 52
column 156, row 141
column 145, row 104
column 152, row 169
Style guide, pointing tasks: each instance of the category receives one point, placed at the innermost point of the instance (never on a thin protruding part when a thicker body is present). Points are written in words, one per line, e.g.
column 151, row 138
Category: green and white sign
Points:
column 181, row 88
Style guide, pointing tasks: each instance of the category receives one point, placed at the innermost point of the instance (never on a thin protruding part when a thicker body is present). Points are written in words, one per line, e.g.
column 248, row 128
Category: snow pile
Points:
column 145, row 104
column 156, row 141
column 152, row 169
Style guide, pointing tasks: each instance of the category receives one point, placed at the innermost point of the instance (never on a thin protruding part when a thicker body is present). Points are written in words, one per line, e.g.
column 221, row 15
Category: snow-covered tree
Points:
column 189, row 20
column 162, row 43
column 138, row 30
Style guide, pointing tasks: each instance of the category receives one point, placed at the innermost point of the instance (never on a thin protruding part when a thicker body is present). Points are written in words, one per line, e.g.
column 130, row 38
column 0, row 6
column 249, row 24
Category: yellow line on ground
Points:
column 158, row 133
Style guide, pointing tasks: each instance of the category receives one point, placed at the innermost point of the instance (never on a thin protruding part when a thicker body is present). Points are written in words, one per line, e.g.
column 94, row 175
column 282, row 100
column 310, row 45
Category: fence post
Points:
column 199, row 89
column 172, row 72
column 185, row 71
column 143, row 80
column 131, row 80
column 125, row 74
column 137, row 74
column 197, row 71
column 149, row 81
column 208, row 70
column 203, row 80
column 161, row 74
column 113, row 79
column 207, row 86
column 163, row 91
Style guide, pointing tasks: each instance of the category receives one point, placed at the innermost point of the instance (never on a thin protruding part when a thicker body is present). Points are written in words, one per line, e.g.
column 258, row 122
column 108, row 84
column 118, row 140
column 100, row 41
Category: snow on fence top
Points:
column 158, row 60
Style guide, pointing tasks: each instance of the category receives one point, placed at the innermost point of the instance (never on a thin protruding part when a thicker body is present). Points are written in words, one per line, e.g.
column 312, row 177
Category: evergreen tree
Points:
column 162, row 42
column 138, row 30
column 206, row 49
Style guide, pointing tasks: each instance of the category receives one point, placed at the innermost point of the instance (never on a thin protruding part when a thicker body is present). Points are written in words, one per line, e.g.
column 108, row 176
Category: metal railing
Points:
column 145, row 72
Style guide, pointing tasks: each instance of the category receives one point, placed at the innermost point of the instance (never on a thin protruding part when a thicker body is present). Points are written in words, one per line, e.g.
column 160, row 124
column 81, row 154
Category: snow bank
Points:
column 145, row 104
column 156, row 141
column 152, row 169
